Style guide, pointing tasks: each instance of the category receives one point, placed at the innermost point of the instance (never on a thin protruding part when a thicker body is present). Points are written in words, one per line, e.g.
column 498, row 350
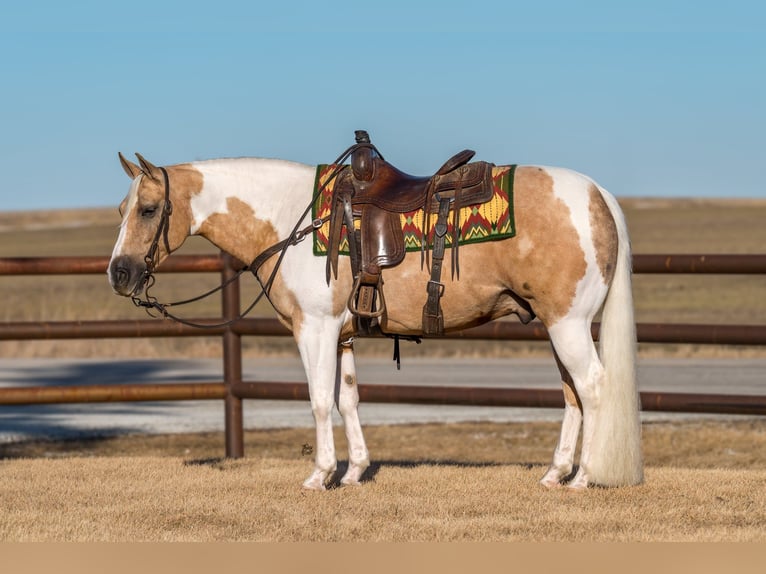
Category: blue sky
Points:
column 650, row 98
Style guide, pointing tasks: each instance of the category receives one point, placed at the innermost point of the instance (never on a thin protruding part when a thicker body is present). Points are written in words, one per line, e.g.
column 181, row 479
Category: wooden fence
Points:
column 232, row 390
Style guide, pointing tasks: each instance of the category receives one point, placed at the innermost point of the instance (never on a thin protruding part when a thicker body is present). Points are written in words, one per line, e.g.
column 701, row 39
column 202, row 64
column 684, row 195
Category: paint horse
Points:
column 569, row 259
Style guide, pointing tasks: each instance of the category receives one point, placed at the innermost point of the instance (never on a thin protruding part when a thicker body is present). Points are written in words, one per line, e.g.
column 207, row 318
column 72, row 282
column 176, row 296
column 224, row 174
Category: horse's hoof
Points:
column 315, row 481
column 550, row 483
column 313, row 485
column 353, row 476
column 553, row 478
column 579, row 483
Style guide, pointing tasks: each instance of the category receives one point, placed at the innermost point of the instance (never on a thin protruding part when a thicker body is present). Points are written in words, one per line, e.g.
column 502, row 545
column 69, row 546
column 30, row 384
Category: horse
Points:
column 570, row 259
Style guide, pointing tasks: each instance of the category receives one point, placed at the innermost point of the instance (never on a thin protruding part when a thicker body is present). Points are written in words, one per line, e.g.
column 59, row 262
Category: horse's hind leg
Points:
column 563, row 456
column 571, row 338
column 347, row 391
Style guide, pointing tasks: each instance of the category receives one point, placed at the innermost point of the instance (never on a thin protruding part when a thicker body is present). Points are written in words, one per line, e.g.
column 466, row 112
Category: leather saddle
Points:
column 374, row 193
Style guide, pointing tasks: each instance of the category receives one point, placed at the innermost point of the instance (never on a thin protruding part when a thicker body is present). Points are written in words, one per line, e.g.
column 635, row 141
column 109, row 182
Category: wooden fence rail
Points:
column 233, row 389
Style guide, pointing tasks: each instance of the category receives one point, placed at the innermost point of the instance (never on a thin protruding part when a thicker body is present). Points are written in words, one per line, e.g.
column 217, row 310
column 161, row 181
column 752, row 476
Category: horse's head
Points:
column 154, row 224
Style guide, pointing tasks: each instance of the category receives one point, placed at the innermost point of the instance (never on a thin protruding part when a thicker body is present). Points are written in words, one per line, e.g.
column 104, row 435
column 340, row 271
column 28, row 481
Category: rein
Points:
column 150, row 303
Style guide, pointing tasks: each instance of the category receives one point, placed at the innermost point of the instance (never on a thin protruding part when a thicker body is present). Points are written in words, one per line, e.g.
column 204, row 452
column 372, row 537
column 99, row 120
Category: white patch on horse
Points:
column 207, row 202
column 225, row 178
column 573, row 189
column 525, row 246
column 302, row 272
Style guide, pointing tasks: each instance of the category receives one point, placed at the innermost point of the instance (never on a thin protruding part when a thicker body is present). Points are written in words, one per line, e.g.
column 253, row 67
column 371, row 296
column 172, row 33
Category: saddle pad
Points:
column 490, row 221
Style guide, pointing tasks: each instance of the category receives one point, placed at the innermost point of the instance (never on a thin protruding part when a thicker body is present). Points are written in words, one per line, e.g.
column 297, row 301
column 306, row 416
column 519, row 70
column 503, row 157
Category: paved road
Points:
column 736, row 376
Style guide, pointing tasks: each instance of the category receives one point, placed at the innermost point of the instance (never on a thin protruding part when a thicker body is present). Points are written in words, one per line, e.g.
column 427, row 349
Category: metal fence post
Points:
column 232, row 362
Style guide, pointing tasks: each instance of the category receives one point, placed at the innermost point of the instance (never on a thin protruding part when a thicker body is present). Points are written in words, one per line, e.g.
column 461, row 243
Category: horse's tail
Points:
column 616, row 449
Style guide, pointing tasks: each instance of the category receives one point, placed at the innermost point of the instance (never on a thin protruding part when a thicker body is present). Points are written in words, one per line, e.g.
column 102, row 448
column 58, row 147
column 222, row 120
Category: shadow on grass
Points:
column 372, row 471
column 57, row 447
column 216, row 462
column 219, row 462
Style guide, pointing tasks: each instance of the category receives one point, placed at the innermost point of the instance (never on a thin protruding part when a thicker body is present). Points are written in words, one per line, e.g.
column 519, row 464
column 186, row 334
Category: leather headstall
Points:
column 152, row 257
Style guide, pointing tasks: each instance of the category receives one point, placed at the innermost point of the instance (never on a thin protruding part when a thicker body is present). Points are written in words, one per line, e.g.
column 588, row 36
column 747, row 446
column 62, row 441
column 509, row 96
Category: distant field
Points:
column 656, row 226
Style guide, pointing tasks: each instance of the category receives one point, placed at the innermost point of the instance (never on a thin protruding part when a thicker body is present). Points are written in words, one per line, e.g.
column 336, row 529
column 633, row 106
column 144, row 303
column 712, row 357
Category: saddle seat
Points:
column 375, row 193
column 379, row 183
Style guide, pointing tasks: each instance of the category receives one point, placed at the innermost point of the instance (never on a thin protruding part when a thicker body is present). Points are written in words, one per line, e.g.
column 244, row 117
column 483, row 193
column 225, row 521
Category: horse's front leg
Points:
column 317, row 341
column 348, row 404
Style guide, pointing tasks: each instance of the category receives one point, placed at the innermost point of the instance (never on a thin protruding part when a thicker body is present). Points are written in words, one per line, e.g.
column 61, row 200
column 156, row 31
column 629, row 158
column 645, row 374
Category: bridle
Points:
column 151, row 259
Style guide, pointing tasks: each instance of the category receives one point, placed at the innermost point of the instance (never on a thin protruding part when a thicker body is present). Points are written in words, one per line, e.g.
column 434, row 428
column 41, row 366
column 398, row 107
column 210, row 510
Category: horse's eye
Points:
column 149, row 211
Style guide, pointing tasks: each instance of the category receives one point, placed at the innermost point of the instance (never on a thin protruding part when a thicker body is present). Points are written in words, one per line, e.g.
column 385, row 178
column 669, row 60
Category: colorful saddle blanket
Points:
column 490, row 221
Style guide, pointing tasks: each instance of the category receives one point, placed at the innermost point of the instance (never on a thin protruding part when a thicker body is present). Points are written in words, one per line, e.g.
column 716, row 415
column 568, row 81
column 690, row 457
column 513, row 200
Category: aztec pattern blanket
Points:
column 490, row 221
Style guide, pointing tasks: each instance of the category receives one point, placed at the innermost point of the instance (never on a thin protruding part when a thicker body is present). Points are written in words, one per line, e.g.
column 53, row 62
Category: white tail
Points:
column 616, row 448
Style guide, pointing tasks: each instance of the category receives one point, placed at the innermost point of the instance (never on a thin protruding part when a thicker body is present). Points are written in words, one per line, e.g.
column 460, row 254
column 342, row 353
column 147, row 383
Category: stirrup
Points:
column 362, row 299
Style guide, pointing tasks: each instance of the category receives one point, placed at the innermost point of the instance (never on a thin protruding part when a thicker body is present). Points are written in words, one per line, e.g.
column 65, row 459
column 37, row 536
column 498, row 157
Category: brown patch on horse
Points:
column 186, row 181
column 241, row 222
column 546, row 257
column 570, row 395
column 604, row 234
column 536, row 271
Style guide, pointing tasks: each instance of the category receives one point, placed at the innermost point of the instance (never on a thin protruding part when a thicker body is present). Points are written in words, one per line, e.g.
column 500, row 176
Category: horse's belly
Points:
column 479, row 295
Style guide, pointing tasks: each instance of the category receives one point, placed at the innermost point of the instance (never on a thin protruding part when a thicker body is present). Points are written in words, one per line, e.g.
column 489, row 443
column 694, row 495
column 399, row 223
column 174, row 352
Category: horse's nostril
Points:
column 121, row 276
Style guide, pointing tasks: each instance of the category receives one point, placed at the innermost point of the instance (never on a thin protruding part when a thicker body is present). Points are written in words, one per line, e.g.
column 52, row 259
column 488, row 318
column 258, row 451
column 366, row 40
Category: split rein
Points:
column 151, row 259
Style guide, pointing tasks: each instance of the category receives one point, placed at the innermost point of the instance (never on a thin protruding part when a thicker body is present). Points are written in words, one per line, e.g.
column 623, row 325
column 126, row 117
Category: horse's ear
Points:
column 149, row 169
column 130, row 168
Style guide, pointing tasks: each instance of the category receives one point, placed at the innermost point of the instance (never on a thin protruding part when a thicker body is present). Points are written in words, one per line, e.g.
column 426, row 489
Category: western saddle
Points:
column 374, row 193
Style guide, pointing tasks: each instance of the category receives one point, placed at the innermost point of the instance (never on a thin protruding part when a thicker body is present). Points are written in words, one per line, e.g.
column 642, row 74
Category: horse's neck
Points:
column 248, row 204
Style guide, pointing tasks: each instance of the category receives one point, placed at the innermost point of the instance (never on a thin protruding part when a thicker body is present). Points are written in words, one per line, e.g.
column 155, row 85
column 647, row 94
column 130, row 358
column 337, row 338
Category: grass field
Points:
column 459, row 482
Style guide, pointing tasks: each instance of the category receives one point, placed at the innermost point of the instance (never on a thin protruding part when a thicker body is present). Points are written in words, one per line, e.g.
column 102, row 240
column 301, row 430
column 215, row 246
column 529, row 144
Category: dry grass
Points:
column 727, row 444
column 462, row 482
column 170, row 499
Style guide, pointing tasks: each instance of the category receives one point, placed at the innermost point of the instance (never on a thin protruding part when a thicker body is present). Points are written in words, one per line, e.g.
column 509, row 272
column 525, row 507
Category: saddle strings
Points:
column 150, row 303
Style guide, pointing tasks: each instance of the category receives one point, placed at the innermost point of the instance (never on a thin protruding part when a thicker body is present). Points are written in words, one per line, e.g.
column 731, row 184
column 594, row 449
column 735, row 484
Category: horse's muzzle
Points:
column 125, row 275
